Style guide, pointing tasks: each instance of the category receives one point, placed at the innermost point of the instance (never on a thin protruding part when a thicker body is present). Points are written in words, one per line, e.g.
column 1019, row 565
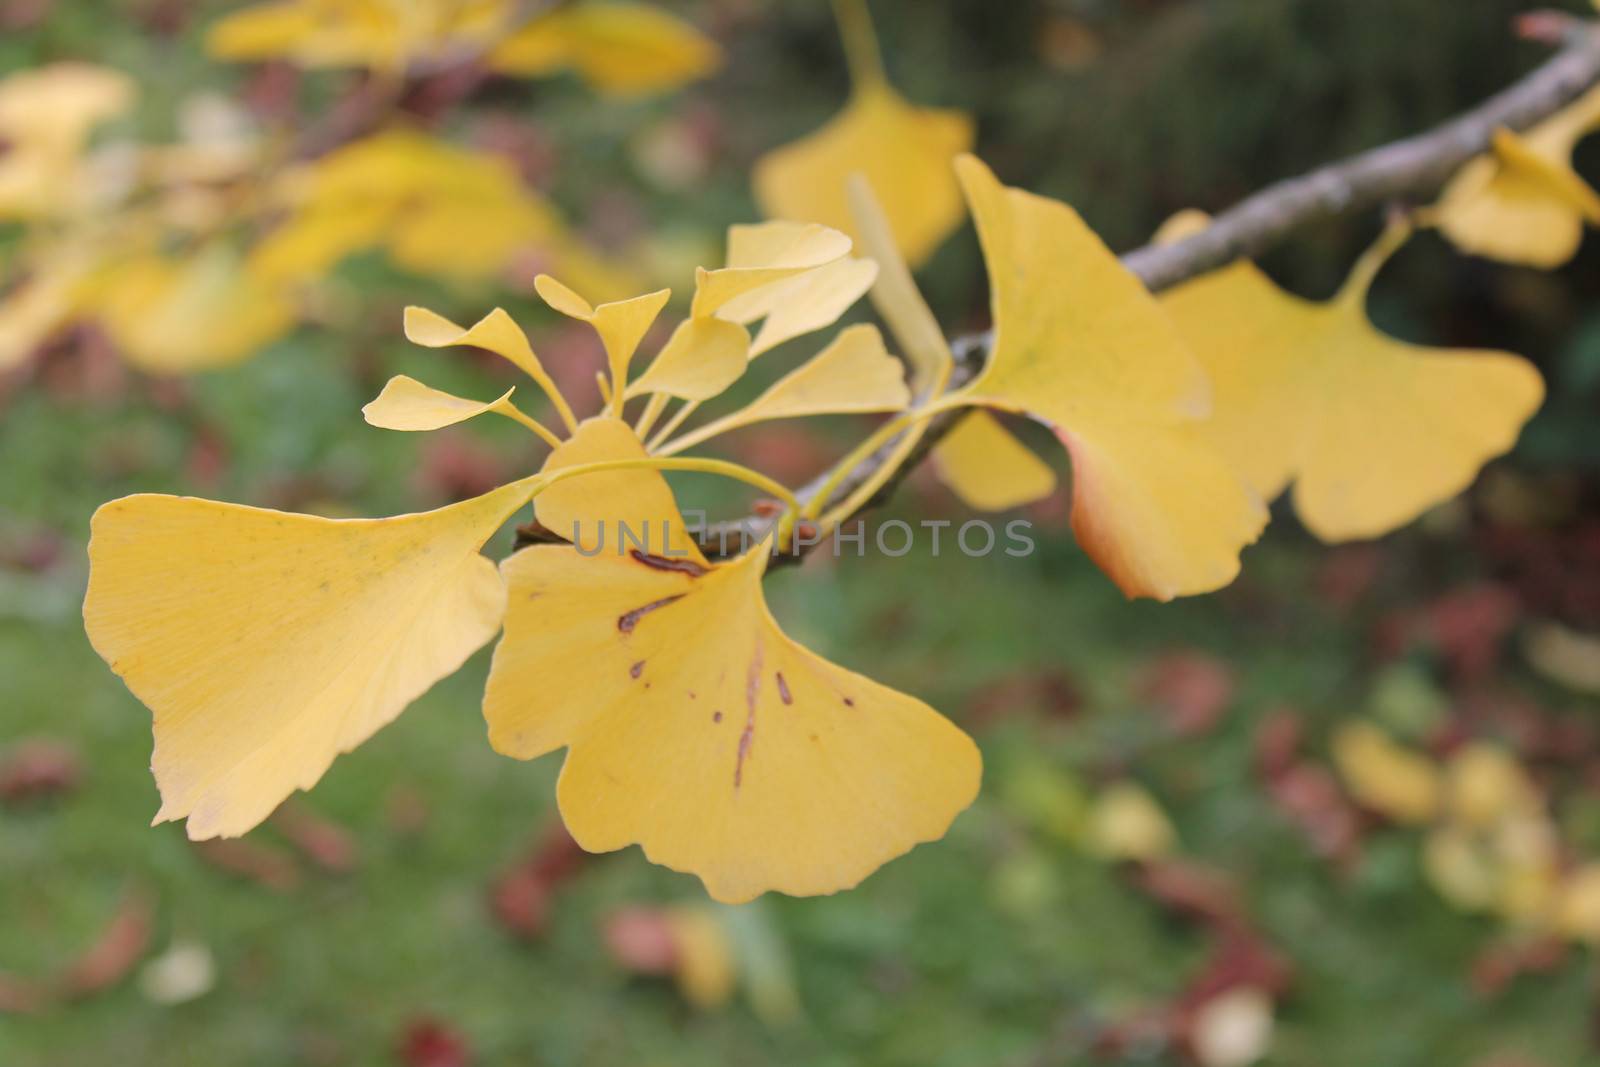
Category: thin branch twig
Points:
column 1415, row 167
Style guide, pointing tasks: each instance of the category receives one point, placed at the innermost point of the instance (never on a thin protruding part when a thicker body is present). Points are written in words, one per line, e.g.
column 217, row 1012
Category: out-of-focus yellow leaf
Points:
column 438, row 209
column 1523, row 203
column 700, row 731
column 591, row 509
column 267, row 643
column 381, row 34
column 1386, row 777
column 903, row 150
column 1578, row 913
column 706, row 966
column 175, row 316
column 1371, row 430
column 985, row 465
column 46, row 117
column 407, row 404
column 1485, row 784
column 1460, row 867
column 1564, row 656
column 1126, row 823
column 625, row 49
column 1095, row 358
column 39, row 306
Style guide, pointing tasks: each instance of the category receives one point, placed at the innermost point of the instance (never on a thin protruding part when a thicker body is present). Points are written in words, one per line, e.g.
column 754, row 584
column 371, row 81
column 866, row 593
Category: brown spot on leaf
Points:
column 636, row 670
column 668, row 563
column 849, row 703
column 629, row 619
column 783, row 689
column 716, row 716
column 747, row 737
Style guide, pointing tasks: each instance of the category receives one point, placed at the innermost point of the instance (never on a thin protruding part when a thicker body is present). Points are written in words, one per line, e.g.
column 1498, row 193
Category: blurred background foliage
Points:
column 421, row 907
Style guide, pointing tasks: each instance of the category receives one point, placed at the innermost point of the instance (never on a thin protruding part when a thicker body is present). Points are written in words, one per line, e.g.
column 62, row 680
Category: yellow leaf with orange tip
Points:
column 407, row 404
column 624, row 49
column 266, row 643
column 985, row 465
column 1524, row 203
column 1372, row 431
column 699, row 730
column 1080, row 345
column 700, row 360
column 1386, row 777
column 172, row 315
column 903, row 150
column 621, row 324
column 590, row 510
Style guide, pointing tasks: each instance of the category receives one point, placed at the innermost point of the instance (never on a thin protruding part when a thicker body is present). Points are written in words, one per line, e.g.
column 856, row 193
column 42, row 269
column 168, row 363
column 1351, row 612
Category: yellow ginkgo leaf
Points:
column 699, row 730
column 1373, row 431
column 1081, row 345
column 407, row 404
column 1578, row 910
column 1385, row 776
column 613, row 512
column 707, row 965
column 700, row 360
column 761, row 256
column 985, row 465
column 496, row 332
column 172, row 315
column 802, row 304
column 853, row 374
column 1524, row 203
column 626, row 49
column 621, row 324
column 896, row 297
column 1461, row 867
column 266, row 643
column 39, row 306
column 904, row 152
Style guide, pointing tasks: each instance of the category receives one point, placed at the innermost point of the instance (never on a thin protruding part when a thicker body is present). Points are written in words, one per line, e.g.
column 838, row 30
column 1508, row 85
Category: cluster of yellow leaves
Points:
column 120, row 235
column 617, row 46
column 142, row 241
column 1491, row 845
column 693, row 725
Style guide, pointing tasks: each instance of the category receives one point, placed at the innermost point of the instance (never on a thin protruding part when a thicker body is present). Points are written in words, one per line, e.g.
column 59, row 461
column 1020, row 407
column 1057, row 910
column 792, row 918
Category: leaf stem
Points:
column 516, row 414
column 861, row 51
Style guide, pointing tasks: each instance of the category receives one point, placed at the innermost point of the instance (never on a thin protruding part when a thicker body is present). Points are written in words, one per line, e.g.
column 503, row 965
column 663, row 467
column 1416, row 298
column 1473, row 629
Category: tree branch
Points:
column 1417, row 166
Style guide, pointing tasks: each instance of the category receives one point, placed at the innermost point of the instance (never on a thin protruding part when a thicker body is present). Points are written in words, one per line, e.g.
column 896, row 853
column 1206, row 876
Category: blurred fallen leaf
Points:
column 325, row 843
column 185, row 972
column 1232, row 1029
column 38, row 770
column 266, row 866
column 427, row 1042
column 641, row 941
column 520, row 897
column 706, row 968
column 1502, row 963
column 1564, row 656
column 1125, row 822
column 1193, row 688
column 120, row 945
column 1385, row 777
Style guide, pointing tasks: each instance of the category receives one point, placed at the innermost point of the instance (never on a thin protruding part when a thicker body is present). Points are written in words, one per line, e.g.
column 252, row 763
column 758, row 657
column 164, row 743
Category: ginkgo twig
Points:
column 1414, row 167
